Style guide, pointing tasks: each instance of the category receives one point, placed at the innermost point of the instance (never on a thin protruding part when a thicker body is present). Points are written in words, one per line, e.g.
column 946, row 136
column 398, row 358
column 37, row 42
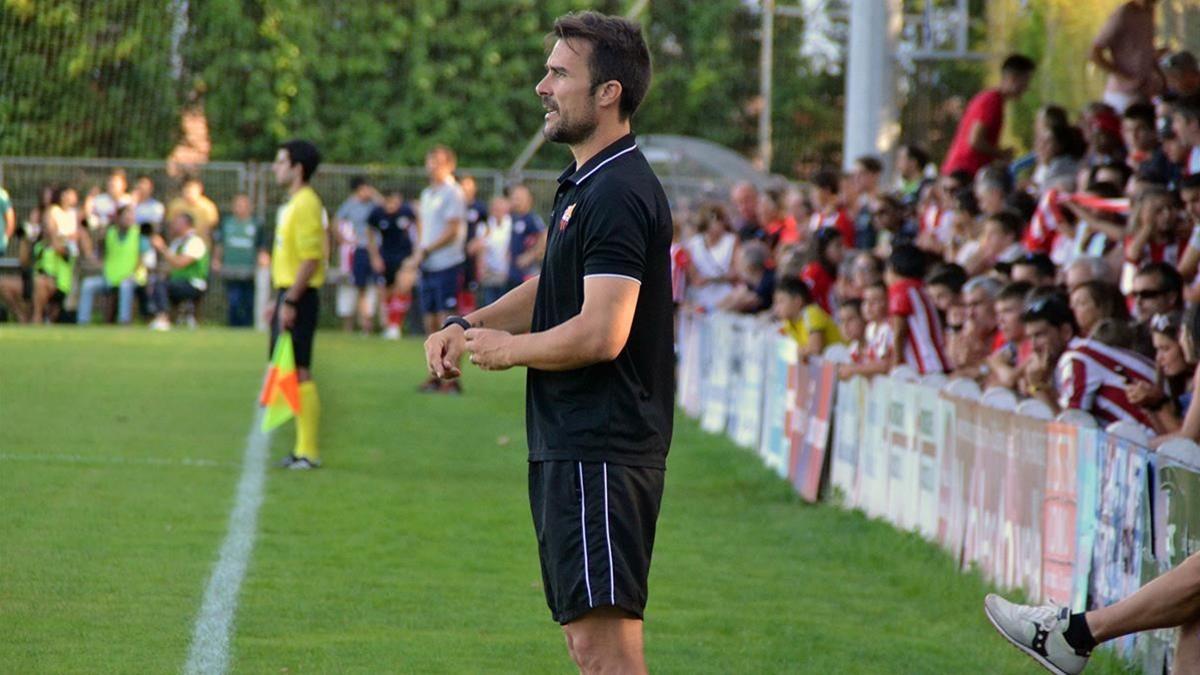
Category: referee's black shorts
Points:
column 595, row 531
column 303, row 331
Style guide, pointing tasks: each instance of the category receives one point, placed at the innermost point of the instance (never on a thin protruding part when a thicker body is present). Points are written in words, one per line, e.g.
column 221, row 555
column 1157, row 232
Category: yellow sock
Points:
column 307, row 422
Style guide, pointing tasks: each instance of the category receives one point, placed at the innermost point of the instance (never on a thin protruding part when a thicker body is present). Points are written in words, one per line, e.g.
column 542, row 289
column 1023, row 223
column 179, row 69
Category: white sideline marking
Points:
column 209, row 651
column 85, row 459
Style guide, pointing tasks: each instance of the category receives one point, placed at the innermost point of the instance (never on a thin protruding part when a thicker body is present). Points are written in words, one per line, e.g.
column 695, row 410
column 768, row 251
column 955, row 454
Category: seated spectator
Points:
column 1093, row 302
column 938, row 212
column 1156, row 289
column 1153, row 234
column 745, row 224
column 865, row 175
column 1189, row 343
column 825, row 253
column 911, row 161
column 779, row 228
column 1066, row 371
column 123, row 274
column 979, row 337
column 1036, row 268
column 1171, row 393
column 853, row 328
column 891, row 225
column 867, row 270
column 878, row 339
column 1084, row 269
column 186, row 258
column 756, row 281
column 999, row 243
column 991, row 190
column 711, row 250
column 1004, row 366
column 803, row 319
column 944, row 284
column 1139, row 130
column 917, row 330
column 829, row 211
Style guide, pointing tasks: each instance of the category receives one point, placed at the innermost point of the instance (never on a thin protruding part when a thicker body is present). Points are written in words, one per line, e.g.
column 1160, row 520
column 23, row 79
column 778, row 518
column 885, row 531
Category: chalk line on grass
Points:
column 58, row 458
column 209, row 651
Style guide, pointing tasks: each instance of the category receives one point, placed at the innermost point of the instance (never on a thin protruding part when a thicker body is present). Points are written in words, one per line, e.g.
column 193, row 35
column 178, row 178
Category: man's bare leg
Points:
column 1170, row 600
column 606, row 640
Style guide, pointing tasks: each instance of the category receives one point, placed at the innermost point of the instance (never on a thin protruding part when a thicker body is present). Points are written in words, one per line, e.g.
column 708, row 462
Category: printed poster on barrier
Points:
column 717, row 380
column 847, row 431
column 1058, row 514
column 1087, row 508
column 749, row 396
column 928, row 441
column 816, row 438
column 955, row 474
column 691, row 327
column 1151, row 648
column 800, row 394
column 1024, row 494
column 774, row 444
column 984, row 538
column 901, row 459
column 1117, row 555
column 737, row 355
column 873, row 465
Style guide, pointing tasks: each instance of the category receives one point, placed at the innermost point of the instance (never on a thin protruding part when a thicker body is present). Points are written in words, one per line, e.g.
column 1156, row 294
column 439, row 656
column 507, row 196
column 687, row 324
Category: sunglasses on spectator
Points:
column 1148, row 294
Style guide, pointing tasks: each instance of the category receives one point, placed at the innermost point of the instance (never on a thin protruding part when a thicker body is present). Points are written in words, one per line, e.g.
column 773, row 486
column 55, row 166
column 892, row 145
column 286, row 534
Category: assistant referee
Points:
column 595, row 332
column 297, row 272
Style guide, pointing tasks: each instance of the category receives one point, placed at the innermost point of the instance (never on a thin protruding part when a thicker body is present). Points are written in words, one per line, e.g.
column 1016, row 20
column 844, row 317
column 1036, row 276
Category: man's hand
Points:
column 489, row 348
column 442, row 351
column 287, row 316
column 377, row 264
column 158, row 242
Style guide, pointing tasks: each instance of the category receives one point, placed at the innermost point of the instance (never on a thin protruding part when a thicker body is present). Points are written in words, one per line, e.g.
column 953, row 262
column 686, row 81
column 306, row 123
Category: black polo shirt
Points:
column 611, row 218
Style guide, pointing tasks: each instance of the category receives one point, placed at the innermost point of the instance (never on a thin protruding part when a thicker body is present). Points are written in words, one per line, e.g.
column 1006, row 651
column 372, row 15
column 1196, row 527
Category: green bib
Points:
column 121, row 254
column 50, row 263
column 196, row 273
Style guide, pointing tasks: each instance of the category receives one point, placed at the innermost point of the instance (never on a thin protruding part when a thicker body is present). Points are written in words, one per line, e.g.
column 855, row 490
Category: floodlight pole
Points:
column 766, row 60
column 870, row 120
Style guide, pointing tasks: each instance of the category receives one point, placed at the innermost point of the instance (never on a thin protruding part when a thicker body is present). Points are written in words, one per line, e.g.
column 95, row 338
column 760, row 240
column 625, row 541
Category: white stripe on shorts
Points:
column 612, row 573
column 587, row 579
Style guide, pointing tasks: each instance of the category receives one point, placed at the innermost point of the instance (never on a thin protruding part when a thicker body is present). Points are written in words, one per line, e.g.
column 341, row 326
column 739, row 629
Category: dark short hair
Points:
column 851, row 303
column 619, row 52
column 1172, row 280
column 795, row 287
column 907, row 261
column 1052, row 309
column 305, row 154
column 870, row 163
column 1016, row 290
column 1188, row 107
column 1040, row 262
column 1018, row 64
column 827, row 180
column 1056, row 115
column 1009, row 221
column 357, row 182
column 1142, row 112
column 1190, row 182
column 917, row 153
column 1106, row 297
column 950, row 275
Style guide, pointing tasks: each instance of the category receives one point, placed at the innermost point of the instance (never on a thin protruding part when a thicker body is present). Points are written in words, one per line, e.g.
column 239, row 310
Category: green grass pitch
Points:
column 412, row 550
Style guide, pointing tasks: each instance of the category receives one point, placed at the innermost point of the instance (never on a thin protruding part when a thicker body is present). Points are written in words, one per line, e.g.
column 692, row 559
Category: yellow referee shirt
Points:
column 299, row 236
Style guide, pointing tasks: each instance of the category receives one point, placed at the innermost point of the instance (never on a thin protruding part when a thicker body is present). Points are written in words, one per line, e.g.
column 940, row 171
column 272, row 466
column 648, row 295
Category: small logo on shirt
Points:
column 566, row 216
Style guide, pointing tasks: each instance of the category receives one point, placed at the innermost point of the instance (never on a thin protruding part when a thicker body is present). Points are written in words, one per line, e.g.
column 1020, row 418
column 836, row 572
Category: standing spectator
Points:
column 390, row 242
column 916, row 328
column 1125, row 50
column 121, row 252
column 911, row 161
column 711, row 250
column 977, row 140
column 1182, row 74
column 1069, row 372
column 477, row 215
column 829, row 212
column 745, row 203
column 803, row 319
column 443, row 229
column 236, row 247
column 853, row 328
column 187, row 262
column 148, row 211
column 355, row 211
column 825, row 254
column 944, row 284
column 491, row 245
column 866, row 173
column 1140, row 134
column 1185, row 122
column 878, row 339
column 193, row 202
column 106, row 204
column 779, row 227
column 527, row 243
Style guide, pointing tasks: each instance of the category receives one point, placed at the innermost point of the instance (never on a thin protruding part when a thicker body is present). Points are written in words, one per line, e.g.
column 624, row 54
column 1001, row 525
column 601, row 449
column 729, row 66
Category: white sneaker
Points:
column 1037, row 631
column 160, row 324
column 391, row 333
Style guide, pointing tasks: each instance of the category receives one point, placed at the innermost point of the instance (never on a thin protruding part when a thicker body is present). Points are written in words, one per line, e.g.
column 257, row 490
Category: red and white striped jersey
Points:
column 924, row 349
column 938, row 223
column 837, row 220
column 1043, row 227
column 879, row 339
column 1092, row 377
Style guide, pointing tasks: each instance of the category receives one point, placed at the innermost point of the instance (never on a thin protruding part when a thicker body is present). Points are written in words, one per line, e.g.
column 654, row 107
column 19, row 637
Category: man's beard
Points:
column 571, row 132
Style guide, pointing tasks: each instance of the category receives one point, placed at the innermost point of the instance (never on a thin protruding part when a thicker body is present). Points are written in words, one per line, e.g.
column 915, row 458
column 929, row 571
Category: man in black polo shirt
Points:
column 595, row 332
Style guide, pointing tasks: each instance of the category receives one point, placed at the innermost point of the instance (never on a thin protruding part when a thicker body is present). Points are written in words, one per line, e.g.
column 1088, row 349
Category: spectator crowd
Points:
column 1069, row 275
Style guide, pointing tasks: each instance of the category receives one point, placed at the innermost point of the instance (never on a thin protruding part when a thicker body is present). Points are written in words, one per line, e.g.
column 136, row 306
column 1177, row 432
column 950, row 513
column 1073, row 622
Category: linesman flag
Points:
column 281, row 390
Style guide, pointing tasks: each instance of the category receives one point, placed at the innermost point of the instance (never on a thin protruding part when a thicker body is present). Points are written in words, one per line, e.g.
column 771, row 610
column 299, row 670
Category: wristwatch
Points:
column 457, row 321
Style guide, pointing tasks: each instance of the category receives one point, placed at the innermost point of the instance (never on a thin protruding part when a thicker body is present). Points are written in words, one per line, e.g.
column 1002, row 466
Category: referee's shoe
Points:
column 298, row 463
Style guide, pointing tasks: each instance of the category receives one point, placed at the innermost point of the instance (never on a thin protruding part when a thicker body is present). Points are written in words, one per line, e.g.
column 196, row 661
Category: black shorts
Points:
column 391, row 266
column 303, row 331
column 595, row 532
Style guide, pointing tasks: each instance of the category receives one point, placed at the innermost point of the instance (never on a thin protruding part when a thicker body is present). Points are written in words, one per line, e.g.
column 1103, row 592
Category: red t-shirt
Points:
column 837, row 220
column 923, row 349
column 821, row 282
column 987, row 108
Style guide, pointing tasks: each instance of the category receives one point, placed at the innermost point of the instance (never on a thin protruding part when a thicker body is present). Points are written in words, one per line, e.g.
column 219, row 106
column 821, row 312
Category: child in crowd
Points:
column 916, row 327
column 853, row 328
column 803, row 318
